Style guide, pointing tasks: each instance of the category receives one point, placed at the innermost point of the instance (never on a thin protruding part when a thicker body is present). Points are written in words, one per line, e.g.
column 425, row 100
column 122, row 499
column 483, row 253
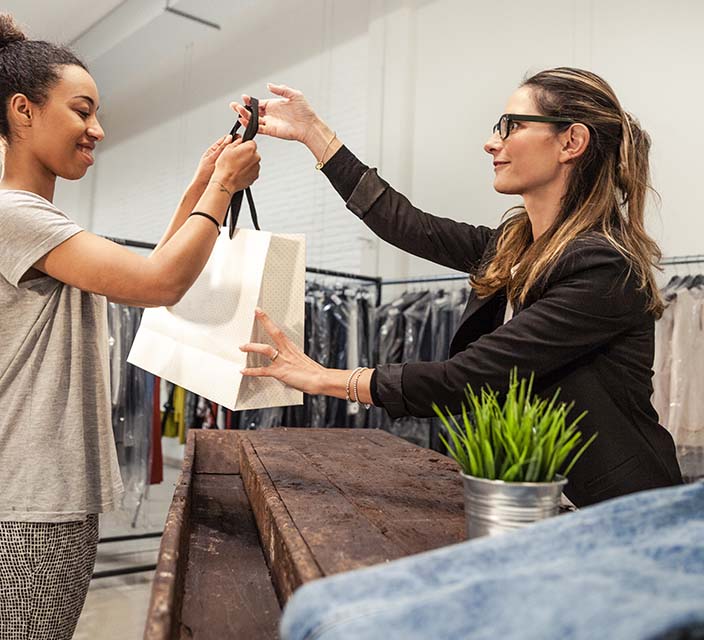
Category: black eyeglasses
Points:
column 503, row 126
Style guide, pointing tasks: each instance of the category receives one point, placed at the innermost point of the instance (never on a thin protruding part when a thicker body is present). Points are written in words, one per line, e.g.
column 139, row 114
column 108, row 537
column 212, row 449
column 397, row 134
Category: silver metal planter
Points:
column 494, row 506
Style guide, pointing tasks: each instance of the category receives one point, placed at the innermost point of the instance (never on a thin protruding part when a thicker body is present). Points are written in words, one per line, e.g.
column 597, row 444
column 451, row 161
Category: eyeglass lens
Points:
column 502, row 127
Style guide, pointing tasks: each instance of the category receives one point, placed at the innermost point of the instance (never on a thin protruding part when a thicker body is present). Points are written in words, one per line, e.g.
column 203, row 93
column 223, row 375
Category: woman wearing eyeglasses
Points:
column 564, row 288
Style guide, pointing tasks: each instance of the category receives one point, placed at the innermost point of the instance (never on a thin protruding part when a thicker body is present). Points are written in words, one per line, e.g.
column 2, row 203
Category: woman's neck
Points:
column 27, row 174
column 543, row 207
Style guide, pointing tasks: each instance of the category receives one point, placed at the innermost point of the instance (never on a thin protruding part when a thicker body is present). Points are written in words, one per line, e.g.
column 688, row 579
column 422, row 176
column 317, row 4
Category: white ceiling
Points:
column 66, row 20
column 58, row 21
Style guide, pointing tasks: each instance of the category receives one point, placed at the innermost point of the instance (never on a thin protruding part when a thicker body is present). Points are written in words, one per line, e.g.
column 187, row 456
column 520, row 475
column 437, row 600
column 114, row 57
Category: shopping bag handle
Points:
column 233, row 211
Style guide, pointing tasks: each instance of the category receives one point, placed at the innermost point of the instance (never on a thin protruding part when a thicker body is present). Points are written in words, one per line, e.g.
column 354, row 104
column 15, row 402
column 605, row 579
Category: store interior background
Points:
column 413, row 87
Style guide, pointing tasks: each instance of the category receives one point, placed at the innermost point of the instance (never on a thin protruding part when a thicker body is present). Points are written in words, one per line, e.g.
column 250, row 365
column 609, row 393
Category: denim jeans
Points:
column 629, row 568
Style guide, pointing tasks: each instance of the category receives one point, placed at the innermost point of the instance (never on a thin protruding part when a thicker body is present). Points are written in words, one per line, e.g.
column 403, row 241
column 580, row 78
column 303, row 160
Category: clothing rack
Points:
column 379, row 282
column 457, row 276
column 674, row 260
column 376, row 281
column 693, row 259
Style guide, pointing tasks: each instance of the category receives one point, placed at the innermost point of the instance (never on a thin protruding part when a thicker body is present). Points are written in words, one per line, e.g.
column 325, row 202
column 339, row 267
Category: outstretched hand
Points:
column 289, row 117
column 288, row 363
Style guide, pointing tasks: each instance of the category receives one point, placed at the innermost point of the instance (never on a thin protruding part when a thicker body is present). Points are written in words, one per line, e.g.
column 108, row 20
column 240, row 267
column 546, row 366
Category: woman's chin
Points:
column 505, row 187
column 74, row 173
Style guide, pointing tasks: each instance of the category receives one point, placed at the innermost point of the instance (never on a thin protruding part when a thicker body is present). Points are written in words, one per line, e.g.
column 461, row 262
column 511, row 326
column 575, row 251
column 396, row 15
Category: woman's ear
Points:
column 575, row 141
column 20, row 110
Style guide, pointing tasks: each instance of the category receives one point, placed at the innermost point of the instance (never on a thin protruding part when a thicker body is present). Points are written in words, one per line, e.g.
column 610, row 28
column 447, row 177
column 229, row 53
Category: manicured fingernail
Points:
column 258, row 311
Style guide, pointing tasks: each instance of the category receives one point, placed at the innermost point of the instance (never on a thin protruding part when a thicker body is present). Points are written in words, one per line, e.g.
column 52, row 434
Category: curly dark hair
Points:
column 31, row 67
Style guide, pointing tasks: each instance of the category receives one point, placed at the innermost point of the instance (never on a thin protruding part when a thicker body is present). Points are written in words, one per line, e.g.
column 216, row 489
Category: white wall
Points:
column 412, row 86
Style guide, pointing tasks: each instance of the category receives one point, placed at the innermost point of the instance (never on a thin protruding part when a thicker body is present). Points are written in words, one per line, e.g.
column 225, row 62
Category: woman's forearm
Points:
column 189, row 199
column 183, row 257
column 334, row 384
column 322, row 141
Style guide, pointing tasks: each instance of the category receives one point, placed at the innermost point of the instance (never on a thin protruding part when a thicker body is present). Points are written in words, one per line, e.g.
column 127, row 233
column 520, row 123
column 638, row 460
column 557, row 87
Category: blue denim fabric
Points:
column 632, row 567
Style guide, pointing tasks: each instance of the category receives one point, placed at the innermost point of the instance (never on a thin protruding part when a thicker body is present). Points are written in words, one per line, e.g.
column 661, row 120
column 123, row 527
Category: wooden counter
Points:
column 256, row 514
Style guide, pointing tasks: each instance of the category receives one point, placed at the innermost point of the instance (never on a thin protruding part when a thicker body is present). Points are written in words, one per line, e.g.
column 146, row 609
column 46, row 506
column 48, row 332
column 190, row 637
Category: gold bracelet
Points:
column 347, row 387
column 356, row 394
column 223, row 187
column 321, row 164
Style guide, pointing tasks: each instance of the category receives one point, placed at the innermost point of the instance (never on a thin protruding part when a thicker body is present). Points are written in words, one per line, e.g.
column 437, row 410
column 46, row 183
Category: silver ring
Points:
column 276, row 355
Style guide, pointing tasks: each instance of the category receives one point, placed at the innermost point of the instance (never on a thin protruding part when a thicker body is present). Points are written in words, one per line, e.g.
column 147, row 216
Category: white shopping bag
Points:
column 195, row 344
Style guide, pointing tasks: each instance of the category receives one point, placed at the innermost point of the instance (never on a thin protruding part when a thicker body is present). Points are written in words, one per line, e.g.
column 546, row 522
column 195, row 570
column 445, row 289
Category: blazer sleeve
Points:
column 392, row 217
column 590, row 298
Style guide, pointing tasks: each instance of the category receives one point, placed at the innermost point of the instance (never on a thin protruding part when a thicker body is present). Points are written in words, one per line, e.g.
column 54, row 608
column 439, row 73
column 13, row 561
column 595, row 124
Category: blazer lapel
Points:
column 465, row 328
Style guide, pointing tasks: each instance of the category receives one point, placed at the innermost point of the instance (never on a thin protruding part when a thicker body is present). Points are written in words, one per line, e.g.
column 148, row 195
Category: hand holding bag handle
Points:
column 233, row 211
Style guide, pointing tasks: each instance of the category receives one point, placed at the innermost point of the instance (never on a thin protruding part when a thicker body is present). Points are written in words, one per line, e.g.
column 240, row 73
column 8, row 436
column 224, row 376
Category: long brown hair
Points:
column 606, row 191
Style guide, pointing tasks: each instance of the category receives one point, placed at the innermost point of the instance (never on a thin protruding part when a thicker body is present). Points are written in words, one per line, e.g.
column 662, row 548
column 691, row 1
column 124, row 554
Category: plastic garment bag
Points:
column 686, row 407
column 131, row 393
column 337, row 308
column 679, row 370
column 417, row 346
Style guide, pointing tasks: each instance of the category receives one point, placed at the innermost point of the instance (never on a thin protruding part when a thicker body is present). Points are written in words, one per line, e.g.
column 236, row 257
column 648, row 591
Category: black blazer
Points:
column 585, row 329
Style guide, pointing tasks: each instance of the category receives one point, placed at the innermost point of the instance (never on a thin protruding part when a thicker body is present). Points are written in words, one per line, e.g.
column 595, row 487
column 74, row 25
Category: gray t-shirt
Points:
column 57, row 453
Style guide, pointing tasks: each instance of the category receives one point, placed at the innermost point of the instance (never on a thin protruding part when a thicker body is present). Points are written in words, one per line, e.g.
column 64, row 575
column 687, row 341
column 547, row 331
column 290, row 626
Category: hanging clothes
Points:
column 416, row 327
column 679, row 370
column 132, row 394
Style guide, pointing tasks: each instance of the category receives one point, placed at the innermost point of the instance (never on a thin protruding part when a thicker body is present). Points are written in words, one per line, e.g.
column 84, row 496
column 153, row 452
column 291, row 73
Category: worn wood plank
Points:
column 350, row 497
column 324, row 501
column 217, row 451
column 416, row 496
column 164, row 614
column 228, row 591
column 288, row 556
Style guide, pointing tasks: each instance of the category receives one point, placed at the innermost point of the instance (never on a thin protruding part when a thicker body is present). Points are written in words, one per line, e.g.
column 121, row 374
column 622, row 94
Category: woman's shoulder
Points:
column 592, row 248
column 23, row 197
column 19, row 209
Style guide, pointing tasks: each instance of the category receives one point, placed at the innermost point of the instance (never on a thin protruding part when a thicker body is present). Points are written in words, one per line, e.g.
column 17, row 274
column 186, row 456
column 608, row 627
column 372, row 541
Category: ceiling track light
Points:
column 190, row 16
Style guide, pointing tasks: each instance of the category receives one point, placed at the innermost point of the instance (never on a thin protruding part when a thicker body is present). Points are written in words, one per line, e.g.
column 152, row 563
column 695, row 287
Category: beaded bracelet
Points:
column 349, row 380
column 356, row 394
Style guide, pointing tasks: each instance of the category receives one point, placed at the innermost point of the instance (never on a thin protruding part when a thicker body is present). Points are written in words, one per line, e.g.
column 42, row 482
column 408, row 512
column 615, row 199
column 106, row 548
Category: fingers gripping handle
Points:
column 233, row 211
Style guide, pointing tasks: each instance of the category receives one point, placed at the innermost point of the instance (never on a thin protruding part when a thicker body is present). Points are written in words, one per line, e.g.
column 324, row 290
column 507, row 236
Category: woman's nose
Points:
column 493, row 143
column 96, row 131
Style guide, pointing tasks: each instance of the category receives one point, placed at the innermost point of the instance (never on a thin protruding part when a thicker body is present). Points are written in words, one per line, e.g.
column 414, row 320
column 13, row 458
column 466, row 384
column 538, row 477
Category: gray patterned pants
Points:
column 45, row 571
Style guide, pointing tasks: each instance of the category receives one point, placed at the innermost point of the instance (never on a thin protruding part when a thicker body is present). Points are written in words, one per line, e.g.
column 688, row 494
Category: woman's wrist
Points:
column 214, row 201
column 331, row 382
column 363, row 387
column 221, row 188
column 334, row 382
column 322, row 141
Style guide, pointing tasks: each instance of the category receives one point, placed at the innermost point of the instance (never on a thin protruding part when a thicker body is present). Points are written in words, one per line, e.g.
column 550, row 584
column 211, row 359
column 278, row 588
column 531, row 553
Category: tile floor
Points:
column 116, row 607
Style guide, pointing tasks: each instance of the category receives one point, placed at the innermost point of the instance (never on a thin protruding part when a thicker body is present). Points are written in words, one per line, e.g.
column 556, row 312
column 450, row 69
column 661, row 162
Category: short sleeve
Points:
column 30, row 227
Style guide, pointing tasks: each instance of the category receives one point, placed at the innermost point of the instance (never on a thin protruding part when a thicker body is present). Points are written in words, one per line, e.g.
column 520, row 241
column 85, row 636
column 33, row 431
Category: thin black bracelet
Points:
column 207, row 215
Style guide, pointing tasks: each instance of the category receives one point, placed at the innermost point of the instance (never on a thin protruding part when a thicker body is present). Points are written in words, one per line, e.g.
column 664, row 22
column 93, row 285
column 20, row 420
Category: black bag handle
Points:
column 233, row 211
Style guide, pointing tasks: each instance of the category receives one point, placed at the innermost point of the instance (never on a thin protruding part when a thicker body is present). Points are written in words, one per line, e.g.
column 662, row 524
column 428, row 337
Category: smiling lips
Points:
column 498, row 164
column 87, row 152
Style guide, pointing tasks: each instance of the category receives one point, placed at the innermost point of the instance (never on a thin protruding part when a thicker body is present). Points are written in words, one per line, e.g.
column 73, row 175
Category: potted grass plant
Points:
column 512, row 455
